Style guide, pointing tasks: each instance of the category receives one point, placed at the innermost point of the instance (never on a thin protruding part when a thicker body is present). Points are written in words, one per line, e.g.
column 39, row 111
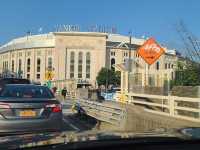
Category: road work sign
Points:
column 49, row 75
column 150, row 51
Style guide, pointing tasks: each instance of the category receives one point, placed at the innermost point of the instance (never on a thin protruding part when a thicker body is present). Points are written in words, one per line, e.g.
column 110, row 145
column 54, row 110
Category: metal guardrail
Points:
column 189, row 107
column 103, row 112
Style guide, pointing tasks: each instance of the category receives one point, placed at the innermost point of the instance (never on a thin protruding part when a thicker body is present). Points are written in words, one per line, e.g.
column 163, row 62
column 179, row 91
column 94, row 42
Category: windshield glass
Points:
column 26, row 92
column 92, row 66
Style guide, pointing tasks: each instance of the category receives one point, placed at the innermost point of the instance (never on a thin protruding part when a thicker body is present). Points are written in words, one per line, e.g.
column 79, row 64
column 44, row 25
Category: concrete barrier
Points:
column 129, row 117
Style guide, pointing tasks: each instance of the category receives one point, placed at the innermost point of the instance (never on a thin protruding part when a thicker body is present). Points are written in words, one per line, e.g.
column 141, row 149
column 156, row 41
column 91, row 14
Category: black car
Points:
column 5, row 81
column 28, row 108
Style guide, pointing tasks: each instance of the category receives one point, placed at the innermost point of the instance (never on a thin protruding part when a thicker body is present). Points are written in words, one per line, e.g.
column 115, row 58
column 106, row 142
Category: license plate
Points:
column 27, row 113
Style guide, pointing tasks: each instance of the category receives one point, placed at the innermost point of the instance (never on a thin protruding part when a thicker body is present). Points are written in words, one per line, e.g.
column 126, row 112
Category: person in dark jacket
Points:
column 54, row 89
column 64, row 92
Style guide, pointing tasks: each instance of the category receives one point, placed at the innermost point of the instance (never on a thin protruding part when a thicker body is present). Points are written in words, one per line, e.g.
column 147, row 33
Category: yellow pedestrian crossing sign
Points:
column 49, row 75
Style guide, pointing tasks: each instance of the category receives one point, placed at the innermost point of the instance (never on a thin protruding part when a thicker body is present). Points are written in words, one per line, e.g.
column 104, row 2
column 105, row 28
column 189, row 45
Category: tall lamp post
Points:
column 129, row 60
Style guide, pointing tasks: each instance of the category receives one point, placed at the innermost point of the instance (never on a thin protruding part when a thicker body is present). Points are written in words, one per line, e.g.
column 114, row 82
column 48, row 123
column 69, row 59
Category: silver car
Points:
column 29, row 108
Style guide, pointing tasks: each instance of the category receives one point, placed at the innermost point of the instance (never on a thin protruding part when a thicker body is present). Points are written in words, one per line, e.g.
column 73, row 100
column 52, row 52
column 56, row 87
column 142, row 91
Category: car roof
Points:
column 13, row 79
column 23, row 85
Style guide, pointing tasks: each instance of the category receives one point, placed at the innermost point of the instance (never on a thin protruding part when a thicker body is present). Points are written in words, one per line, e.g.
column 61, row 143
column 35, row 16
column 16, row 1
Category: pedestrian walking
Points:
column 54, row 89
column 64, row 93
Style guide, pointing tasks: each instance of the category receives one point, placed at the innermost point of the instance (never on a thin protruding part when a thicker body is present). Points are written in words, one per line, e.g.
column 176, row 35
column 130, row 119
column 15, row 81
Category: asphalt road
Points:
column 75, row 122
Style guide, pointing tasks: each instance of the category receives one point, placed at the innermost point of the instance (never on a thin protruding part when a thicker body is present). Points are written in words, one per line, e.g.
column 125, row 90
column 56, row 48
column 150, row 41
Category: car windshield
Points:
column 98, row 68
column 26, row 92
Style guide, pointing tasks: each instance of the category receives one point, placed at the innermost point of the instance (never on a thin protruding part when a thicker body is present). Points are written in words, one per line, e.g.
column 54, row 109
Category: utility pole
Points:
column 129, row 61
column 106, row 88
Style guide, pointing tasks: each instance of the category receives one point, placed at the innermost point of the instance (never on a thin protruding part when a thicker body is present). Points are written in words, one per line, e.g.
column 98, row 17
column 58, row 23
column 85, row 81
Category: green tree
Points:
column 187, row 74
column 108, row 76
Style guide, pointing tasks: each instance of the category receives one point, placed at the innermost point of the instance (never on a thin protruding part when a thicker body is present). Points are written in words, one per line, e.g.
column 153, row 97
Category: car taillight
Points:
column 54, row 107
column 4, row 106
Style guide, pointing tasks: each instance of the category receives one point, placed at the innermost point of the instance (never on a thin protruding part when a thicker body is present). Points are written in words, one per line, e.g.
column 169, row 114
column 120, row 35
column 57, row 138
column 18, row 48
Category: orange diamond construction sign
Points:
column 150, row 51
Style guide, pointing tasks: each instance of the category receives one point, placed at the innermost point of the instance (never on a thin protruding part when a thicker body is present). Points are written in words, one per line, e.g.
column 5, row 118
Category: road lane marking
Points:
column 70, row 124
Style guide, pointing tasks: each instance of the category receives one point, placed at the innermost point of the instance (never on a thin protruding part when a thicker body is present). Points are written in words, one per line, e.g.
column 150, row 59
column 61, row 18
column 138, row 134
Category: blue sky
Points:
column 157, row 18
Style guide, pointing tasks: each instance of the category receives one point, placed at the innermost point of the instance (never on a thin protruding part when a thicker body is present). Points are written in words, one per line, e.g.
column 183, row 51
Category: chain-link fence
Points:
column 137, row 84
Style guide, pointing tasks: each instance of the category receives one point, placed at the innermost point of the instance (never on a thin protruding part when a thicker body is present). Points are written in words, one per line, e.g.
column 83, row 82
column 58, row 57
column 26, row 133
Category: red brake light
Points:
column 4, row 106
column 54, row 107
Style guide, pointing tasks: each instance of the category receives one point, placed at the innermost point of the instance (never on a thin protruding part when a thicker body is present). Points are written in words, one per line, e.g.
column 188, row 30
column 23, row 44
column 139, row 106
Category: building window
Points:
column 168, row 66
column 3, row 65
column 28, row 76
column 50, row 63
column 124, row 54
column 38, row 76
column 72, row 57
column 13, row 64
column 28, row 65
column 172, row 75
column 137, row 55
column 38, row 64
column 6, row 65
column 71, row 75
column 165, row 66
column 88, row 65
column 172, row 66
column 20, row 65
column 20, row 68
column 80, row 62
column 112, row 63
column 112, row 53
column 157, row 65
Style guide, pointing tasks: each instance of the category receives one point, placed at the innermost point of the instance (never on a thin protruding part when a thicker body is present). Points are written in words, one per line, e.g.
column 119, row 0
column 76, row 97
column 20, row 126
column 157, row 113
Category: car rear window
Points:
column 14, row 81
column 26, row 92
column 3, row 82
column 19, row 81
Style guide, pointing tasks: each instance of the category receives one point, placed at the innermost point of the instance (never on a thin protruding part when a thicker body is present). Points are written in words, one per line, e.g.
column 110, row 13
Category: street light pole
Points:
column 129, row 61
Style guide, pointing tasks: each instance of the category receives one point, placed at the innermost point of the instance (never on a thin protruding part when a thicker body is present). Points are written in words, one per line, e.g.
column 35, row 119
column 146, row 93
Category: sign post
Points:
column 150, row 51
column 48, row 77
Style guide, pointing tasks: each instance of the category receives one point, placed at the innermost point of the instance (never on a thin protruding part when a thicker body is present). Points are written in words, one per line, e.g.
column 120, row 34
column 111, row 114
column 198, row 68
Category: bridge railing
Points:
column 102, row 111
column 178, row 107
